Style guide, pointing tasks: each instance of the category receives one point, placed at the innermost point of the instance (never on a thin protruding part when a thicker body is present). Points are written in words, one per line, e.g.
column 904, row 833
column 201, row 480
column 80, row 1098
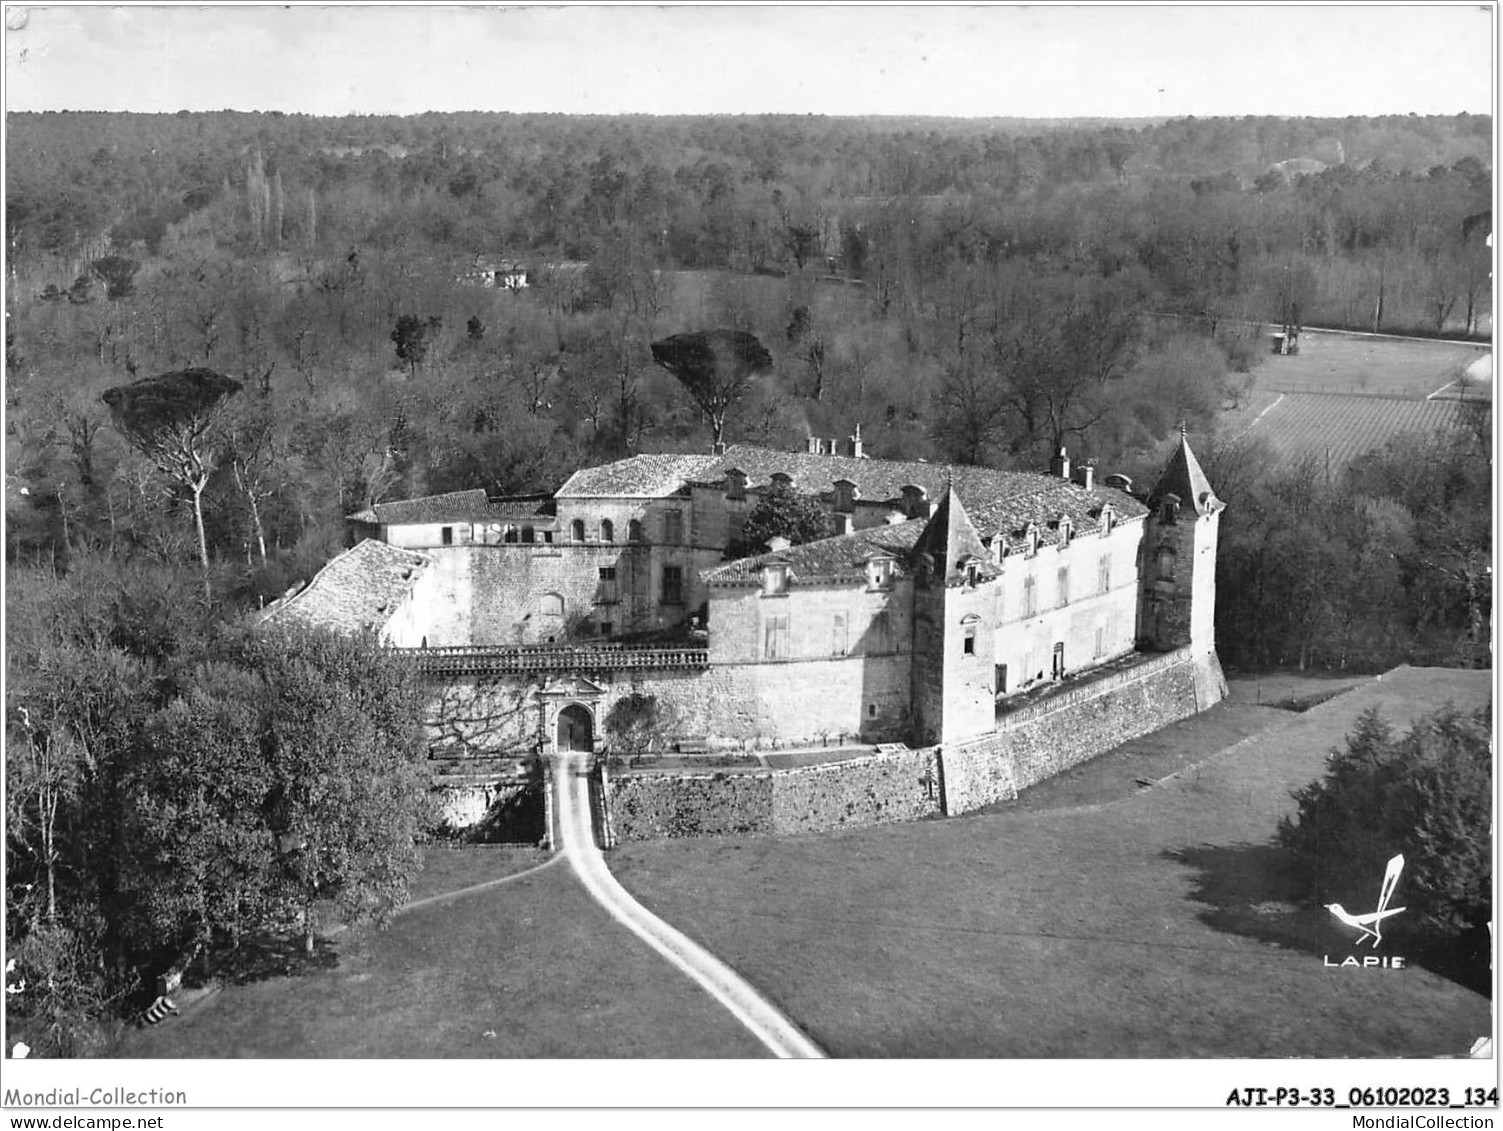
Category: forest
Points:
column 972, row 290
column 975, row 290
column 225, row 332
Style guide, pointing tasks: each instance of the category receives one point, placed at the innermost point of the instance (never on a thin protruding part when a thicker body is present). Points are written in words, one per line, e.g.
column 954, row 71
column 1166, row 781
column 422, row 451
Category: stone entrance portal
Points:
column 576, row 730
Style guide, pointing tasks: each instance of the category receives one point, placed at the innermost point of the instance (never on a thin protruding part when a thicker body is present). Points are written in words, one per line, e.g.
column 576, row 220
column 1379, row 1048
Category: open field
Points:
column 1344, row 395
column 1332, row 430
column 531, row 968
column 1371, row 366
column 1157, row 924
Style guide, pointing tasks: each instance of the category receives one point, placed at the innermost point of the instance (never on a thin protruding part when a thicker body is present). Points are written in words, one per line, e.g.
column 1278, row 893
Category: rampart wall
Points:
column 869, row 790
column 1032, row 743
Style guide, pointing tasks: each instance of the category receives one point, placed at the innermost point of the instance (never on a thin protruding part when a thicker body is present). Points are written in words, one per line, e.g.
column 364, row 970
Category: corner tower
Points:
column 1177, row 579
column 954, row 627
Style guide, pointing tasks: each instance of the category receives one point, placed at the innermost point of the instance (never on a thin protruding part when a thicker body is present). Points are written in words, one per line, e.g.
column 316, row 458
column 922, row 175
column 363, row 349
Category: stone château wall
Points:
column 869, row 790
column 1032, row 743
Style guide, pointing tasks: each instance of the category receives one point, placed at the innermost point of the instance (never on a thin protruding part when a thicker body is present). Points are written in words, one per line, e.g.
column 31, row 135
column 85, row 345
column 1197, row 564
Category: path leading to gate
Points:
column 761, row 1017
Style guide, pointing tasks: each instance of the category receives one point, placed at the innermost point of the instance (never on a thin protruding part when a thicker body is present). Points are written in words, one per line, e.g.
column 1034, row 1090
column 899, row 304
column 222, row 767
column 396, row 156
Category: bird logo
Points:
column 1371, row 925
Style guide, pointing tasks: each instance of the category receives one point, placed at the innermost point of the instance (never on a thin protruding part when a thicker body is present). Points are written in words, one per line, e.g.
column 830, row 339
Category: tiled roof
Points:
column 517, row 508
column 360, row 589
column 876, row 480
column 455, row 506
column 637, row 477
column 1050, row 500
column 840, row 558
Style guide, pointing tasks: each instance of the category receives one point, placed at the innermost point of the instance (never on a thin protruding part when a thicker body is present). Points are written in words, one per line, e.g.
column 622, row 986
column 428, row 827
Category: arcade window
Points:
column 607, row 530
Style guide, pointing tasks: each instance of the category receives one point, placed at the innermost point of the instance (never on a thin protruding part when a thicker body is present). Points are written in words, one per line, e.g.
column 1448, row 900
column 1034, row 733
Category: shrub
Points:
column 1427, row 795
column 633, row 722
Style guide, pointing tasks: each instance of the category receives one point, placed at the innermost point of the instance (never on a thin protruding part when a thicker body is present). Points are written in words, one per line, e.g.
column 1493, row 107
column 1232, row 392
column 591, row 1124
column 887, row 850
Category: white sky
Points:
column 1039, row 61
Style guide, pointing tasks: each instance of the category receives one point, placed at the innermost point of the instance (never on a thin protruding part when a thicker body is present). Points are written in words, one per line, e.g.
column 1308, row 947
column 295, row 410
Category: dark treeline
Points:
column 1390, row 563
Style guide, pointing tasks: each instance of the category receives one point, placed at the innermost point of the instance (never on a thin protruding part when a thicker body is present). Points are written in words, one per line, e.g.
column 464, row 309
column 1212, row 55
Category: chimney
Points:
column 1060, row 465
column 857, row 448
column 814, row 446
column 834, row 448
column 1085, row 474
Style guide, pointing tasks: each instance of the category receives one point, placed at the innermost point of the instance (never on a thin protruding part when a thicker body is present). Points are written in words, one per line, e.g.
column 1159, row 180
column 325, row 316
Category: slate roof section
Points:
column 638, row 477
column 1051, row 500
column 455, row 506
column 1183, row 476
column 876, row 480
column 949, row 538
column 358, row 591
column 841, row 558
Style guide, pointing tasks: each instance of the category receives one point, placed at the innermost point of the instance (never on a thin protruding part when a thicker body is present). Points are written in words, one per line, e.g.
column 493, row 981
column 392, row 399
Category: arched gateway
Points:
column 576, row 729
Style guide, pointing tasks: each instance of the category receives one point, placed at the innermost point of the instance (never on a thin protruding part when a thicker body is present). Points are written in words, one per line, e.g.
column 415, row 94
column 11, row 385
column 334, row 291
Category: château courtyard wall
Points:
column 1032, row 743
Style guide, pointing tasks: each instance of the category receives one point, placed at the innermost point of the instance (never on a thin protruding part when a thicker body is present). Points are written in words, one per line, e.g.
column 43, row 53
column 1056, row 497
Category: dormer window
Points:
column 845, row 496
column 972, row 570
column 915, row 501
column 1066, row 528
column 782, row 479
column 1108, row 520
column 735, row 484
column 879, row 573
column 1031, row 538
column 774, row 579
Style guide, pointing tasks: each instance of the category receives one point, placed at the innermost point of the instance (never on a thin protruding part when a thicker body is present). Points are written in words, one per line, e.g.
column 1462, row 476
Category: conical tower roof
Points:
column 950, row 538
column 1182, row 476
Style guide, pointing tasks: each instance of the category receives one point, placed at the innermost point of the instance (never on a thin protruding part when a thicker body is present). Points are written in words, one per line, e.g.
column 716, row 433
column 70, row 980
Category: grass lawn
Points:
column 527, row 969
column 1155, row 925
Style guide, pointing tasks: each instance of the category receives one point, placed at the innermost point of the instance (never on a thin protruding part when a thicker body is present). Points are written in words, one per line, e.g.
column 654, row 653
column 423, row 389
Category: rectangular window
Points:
column 1030, row 596
column 968, row 645
column 775, row 637
column 1001, row 679
column 1104, row 573
column 673, row 585
column 881, row 632
column 607, row 589
column 838, row 635
column 606, row 628
column 673, row 527
column 1100, row 642
column 1064, row 586
column 446, row 535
